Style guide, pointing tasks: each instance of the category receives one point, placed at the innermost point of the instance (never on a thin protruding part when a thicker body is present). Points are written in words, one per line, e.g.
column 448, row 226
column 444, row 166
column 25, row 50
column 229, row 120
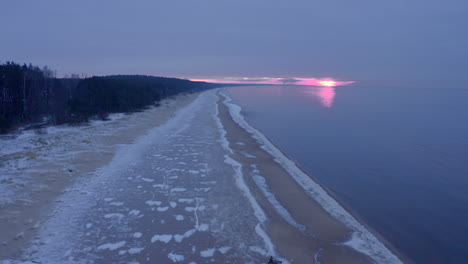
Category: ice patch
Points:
column 208, row 252
column 189, row 209
column 137, row 234
column 135, row 250
column 194, row 171
column 258, row 250
column 178, row 189
column 114, row 215
column 179, row 238
column 248, row 155
column 147, row 180
column 162, row 209
column 184, row 200
column 207, row 189
column 173, row 204
column 162, row 238
column 175, row 257
column 111, row 246
column 190, row 232
column 117, row 203
column 134, row 212
column 179, row 217
column 203, row 227
column 224, row 250
column 152, row 203
column 208, row 182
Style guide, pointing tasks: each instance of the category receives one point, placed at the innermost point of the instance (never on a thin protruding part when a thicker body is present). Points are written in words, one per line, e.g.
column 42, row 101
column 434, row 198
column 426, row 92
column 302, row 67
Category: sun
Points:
column 327, row 83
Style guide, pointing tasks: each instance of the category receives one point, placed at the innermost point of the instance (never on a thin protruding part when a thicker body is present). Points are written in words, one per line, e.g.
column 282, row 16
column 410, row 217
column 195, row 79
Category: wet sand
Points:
column 323, row 233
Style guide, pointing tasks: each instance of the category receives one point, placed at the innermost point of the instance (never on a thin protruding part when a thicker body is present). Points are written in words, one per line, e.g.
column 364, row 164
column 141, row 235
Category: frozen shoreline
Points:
column 286, row 213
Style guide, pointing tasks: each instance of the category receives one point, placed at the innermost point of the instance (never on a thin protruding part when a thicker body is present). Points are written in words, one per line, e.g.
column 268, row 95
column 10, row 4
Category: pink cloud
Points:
column 279, row 81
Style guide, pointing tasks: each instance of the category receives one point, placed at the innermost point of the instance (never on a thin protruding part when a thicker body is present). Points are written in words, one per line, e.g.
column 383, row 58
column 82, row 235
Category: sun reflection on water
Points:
column 325, row 95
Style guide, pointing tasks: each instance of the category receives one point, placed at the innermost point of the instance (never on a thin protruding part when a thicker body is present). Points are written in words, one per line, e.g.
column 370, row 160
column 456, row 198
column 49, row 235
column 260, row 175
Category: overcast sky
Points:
column 398, row 42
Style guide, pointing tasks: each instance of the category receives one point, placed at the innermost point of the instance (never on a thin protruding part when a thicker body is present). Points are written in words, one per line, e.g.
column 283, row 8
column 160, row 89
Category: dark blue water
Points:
column 396, row 157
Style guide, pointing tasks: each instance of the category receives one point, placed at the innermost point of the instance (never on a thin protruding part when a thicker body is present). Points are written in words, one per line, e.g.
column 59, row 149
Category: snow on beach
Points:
column 37, row 166
column 146, row 199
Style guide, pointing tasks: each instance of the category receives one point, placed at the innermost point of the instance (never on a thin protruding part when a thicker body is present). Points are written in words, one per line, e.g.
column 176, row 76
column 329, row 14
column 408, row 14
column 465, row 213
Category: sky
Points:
column 420, row 43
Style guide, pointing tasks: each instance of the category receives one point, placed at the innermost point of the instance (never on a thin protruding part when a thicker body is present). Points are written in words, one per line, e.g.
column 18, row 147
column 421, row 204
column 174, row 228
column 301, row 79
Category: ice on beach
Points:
column 189, row 209
column 186, row 200
column 179, row 217
column 147, row 180
column 258, row 250
column 203, row 227
column 175, row 257
column 224, row 250
column 134, row 212
column 135, row 250
column 248, row 155
column 178, row 189
column 208, row 182
column 111, row 246
column 207, row 189
column 114, row 215
column 162, row 209
column 153, row 203
column 208, row 252
column 162, row 238
column 190, row 232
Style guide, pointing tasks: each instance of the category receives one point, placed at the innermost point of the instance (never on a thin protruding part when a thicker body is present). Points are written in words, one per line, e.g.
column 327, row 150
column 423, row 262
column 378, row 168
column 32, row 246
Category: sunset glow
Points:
column 325, row 82
column 328, row 83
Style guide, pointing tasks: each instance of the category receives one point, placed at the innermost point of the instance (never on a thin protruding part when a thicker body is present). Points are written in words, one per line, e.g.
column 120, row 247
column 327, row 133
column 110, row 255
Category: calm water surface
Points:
column 397, row 157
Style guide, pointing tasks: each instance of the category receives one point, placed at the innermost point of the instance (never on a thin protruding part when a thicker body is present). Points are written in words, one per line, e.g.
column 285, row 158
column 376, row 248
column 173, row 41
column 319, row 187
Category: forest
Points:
column 34, row 96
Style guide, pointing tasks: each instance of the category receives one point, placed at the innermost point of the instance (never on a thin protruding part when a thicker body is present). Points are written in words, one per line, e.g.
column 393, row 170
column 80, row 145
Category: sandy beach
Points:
column 188, row 182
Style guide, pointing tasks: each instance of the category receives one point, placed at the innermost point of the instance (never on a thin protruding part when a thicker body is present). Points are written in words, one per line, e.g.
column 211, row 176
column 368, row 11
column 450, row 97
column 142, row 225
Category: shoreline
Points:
column 293, row 224
column 398, row 257
column 342, row 203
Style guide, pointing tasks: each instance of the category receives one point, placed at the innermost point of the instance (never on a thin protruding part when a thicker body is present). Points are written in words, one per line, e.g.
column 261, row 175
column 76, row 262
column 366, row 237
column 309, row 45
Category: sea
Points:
column 395, row 157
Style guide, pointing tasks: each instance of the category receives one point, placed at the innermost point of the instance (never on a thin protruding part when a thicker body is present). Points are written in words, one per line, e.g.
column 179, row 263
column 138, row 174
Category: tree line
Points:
column 29, row 94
